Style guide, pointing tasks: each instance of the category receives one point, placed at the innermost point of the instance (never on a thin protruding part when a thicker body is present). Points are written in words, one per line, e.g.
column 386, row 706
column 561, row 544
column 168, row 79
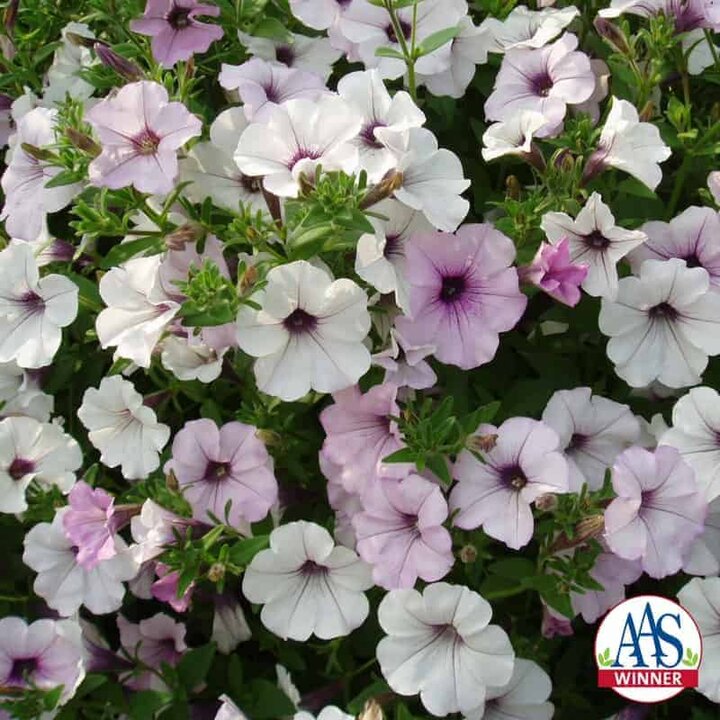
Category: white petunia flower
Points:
column 524, row 28
column 70, row 59
column 629, row 145
column 380, row 257
column 695, row 433
column 701, row 598
column 309, row 333
column 514, row 137
column 125, row 431
column 663, row 325
column 593, row 431
column 318, row 14
column 33, row 310
column 596, row 241
column 229, row 626
column 297, row 137
column 366, row 94
column 211, row 171
column 524, row 697
column 327, row 713
column 21, row 395
column 704, row 555
column 439, row 644
column 187, row 358
column 66, row 585
column 138, row 309
column 307, row 585
column 33, row 451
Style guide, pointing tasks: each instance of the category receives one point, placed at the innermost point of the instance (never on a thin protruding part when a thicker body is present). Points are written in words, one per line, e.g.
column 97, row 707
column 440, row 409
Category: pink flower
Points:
column 176, row 34
column 216, row 466
column 140, row 132
column 165, row 589
column 553, row 272
column 154, row 641
column 463, row 293
column 496, row 493
column 400, row 533
column 659, row 510
column 360, row 434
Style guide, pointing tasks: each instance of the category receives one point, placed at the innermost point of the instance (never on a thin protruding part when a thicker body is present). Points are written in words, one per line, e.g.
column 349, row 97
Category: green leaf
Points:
column 127, row 250
column 66, row 177
column 389, row 53
column 634, row 187
column 146, row 703
column 89, row 295
column 436, row 40
column 264, row 700
column 195, row 665
column 379, row 687
column 405, row 455
column 272, row 28
column 484, row 414
column 243, row 551
column 438, row 464
column 514, row 568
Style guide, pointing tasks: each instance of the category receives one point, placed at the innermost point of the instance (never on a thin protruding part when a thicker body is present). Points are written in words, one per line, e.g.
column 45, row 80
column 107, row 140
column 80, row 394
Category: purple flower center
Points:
column 299, row 322
column 577, row 441
column 663, row 311
column 343, row 3
column 596, row 240
column 272, row 93
column 32, row 301
column 394, row 246
column 284, row 54
column 251, row 184
column 688, row 15
column 310, row 567
column 453, row 288
column 146, row 143
column 216, row 471
column 406, row 28
column 367, row 134
column 542, row 84
column 513, row 476
column 22, row 668
column 692, row 261
column 303, row 154
column 178, row 17
column 20, row 467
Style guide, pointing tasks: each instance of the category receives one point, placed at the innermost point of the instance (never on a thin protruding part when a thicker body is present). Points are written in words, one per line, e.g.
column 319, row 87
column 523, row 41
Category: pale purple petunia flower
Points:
column 400, row 532
column 659, row 510
column 497, row 492
column 686, row 15
column 692, row 236
column 361, row 433
column 215, row 466
column 140, row 132
column 463, row 293
column 405, row 364
column 554, row 273
column 165, row 588
column 545, row 80
column 176, row 34
column 261, row 85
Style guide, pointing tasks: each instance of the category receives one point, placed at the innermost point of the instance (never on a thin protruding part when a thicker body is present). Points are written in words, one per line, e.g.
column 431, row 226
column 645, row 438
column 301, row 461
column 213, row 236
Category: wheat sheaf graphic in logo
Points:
column 648, row 649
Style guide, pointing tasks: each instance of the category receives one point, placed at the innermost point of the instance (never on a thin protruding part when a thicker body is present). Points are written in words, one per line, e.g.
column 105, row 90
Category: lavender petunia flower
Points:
column 545, row 80
column 497, row 492
column 659, row 510
column 140, row 132
column 463, row 293
column 216, row 466
column 405, row 364
column 176, row 34
column 554, row 273
column 686, row 15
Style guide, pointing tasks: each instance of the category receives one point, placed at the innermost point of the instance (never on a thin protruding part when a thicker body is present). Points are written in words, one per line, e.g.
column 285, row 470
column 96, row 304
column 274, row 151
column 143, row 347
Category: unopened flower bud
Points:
column 269, row 437
column 589, row 527
column 182, row 235
column 36, row 152
column 482, row 443
column 306, row 185
column 122, row 66
column 10, row 17
column 371, row 711
column 648, row 112
column 83, row 142
column 468, row 554
column 513, row 187
column 79, row 40
column 248, row 279
column 216, row 572
column 594, row 166
column 392, row 181
column 612, row 34
column 563, row 160
column 172, row 482
column 547, row 502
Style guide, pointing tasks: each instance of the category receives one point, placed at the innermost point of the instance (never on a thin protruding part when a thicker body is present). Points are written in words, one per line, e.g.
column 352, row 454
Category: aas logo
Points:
column 648, row 649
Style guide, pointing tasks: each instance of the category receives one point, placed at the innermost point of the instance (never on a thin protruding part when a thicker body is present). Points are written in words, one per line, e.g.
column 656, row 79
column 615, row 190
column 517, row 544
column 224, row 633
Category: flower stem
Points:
column 408, row 52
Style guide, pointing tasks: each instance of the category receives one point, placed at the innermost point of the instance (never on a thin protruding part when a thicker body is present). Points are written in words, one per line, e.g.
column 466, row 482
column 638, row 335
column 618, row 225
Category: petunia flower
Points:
column 659, row 510
column 175, row 32
column 318, row 14
column 33, row 310
column 154, row 529
column 187, row 358
column 215, row 467
column 463, row 293
column 27, row 199
column 524, row 697
column 525, row 28
column 405, row 364
column 686, row 15
column 6, row 121
column 125, row 431
column 262, row 85
column 713, row 183
column 496, row 493
column 45, row 654
column 307, row 585
column 692, row 236
column 663, row 325
column 153, row 641
column 309, row 333
column 31, row 451
column 165, row 588
column 229, row 626
column 514, row 137
column 65, row 75
column 400, row 533
column 695, row 433
column 630, row 145
column 596, row 241
column 544, row 80
column 703, row 558
column 593, row 431
column 555, row 273
column 140, row 131
column 331, row 712
column 440, row 644
column 63, row 582
column 297, row 137
column 701, row 598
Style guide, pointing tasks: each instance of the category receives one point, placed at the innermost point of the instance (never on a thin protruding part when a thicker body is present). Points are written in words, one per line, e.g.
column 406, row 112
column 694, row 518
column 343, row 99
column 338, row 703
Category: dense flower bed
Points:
column 356, row 356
